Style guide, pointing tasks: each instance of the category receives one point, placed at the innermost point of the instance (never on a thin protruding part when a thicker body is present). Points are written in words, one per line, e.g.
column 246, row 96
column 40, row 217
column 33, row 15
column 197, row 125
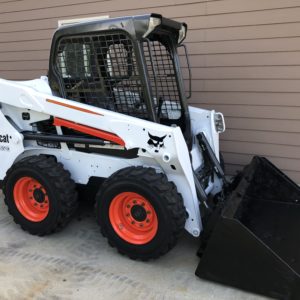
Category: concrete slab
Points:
column 78, row 264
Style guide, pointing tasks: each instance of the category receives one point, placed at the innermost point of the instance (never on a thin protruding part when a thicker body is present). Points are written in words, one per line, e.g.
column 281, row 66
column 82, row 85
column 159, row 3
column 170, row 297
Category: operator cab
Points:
column 128, row 65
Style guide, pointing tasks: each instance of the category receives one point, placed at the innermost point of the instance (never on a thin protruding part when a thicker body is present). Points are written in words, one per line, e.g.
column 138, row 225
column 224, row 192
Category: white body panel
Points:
column 172, row 158
column 11, row 145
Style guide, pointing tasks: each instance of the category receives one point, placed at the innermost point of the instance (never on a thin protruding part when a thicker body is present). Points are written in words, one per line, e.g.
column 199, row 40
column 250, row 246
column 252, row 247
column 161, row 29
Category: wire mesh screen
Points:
column 163, row 79
column 101, row 70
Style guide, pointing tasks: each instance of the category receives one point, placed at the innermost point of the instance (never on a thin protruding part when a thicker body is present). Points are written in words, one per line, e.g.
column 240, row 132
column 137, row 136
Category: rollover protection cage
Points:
column 132, row 68
column 101, row 70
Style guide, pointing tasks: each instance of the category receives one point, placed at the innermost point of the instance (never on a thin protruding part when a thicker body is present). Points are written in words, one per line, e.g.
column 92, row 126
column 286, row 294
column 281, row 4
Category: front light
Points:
column 219, row 122
column 182, row 34
column 153, row 22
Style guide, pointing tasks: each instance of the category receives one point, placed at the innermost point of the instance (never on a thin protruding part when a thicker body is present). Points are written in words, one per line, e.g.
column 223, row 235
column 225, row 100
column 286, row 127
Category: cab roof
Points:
column 136, row 26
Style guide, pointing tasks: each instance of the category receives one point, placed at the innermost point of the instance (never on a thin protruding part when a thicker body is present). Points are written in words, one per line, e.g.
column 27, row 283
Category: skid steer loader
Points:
column 113, row 110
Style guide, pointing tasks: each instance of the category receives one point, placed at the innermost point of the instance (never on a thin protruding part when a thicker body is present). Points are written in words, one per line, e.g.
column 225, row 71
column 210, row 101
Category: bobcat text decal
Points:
column 4, row 138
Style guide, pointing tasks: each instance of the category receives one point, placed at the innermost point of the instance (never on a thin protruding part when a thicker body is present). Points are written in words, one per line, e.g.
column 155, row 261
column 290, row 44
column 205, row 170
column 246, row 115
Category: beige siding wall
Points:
column 245, row 56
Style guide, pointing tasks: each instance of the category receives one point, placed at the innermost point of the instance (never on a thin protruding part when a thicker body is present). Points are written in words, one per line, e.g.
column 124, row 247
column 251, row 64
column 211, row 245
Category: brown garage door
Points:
column 245, row 57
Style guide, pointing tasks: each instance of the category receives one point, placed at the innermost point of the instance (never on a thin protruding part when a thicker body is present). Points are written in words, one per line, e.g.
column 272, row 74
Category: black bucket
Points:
column 255, row 241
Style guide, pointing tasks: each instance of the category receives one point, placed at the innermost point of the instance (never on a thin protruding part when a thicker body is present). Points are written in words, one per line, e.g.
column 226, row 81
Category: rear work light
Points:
column 219, row 122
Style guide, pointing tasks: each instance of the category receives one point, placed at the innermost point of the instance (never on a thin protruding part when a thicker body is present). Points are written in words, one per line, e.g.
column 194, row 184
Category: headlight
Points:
column 219, row 122
column 153, row 22
column 182, row 34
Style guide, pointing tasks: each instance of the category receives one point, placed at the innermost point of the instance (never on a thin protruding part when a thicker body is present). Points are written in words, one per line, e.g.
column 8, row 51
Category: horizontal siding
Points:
column 233, row 169
column 244, row 85
column 195, row 13
column 246, row 98
column 251, row 111
column 85, row 6
column 263, row 136
column 195, row 35
column 224, row 9
column 285, row 164
column 207, row 60
column 256, row 72
column 215, row 47
column 212, row 6
column 263, row 125
column 245, row 58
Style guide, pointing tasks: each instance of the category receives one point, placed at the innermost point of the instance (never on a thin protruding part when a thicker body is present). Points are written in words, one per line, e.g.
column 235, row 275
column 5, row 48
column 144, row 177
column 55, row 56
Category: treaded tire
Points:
column 59, row 186
column 164, row 198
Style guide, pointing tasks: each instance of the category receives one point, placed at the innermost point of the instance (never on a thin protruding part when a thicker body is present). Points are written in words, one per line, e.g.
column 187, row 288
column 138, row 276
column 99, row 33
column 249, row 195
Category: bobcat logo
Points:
column 156, row 142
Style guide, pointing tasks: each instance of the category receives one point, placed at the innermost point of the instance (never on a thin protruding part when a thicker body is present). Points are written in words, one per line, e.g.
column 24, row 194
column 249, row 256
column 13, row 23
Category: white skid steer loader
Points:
column 113, row 108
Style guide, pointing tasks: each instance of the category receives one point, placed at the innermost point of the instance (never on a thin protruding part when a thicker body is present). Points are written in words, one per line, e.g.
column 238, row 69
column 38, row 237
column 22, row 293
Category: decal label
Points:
column 4, row 138
column 4, row 148
column 156, row 142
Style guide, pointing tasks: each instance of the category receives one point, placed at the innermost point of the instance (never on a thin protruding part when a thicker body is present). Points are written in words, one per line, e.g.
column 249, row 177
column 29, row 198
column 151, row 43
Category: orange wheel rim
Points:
column 31, row 199
column 133, row 218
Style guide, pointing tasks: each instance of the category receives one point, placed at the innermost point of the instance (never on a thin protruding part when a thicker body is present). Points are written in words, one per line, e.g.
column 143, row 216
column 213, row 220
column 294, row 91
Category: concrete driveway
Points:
column 78, row 264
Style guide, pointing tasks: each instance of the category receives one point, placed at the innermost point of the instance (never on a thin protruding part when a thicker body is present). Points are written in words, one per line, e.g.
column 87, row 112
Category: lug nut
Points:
column 147, row 220
column 148, row 212
column 132, row 222
column 128, row 206
column 134, row 201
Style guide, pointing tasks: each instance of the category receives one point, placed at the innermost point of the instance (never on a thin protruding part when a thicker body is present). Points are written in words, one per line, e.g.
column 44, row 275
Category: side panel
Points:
column 11, row 145
column 82, row 166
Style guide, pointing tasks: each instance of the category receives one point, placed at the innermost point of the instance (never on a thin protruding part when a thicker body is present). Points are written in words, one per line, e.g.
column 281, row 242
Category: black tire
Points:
column 59, row 188
column 165, row 200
